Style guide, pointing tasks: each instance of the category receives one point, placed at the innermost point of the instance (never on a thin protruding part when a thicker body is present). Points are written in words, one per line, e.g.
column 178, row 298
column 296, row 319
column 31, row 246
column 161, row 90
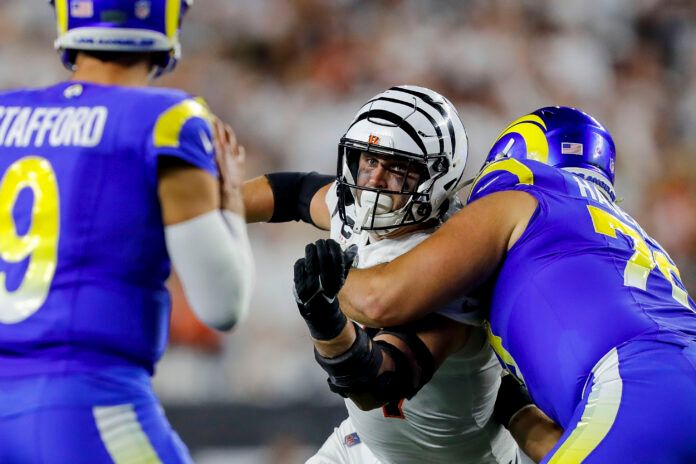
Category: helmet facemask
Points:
column 374, row 206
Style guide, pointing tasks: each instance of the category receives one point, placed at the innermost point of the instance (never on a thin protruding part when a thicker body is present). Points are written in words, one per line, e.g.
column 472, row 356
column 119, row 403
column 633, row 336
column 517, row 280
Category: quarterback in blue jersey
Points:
column 103, row 184
column 585, row 308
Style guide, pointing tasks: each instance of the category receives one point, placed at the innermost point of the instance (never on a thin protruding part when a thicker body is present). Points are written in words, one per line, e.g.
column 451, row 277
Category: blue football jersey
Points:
column 83, row 259
column 582, row 279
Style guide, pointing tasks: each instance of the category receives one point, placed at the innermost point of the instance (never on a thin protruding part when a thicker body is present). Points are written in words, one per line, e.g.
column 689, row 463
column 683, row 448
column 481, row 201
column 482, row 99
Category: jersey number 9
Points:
column 39, row 243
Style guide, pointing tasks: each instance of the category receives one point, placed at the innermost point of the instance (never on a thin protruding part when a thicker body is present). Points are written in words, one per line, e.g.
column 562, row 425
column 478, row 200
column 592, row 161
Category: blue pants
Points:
column 639, row 406
column 85, row 419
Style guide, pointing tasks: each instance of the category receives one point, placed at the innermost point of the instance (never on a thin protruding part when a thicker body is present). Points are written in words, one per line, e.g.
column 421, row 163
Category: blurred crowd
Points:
column 290, row 74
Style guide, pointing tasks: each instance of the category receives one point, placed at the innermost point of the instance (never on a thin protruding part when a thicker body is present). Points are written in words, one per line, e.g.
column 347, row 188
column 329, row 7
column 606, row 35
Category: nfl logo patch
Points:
column 81, row 8
column 142, row 9
column 571, row 148
column 351, row 440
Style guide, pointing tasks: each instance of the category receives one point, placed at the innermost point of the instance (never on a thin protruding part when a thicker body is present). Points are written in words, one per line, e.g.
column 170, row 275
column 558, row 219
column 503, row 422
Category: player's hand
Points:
column 318, row 278
column 229, row 157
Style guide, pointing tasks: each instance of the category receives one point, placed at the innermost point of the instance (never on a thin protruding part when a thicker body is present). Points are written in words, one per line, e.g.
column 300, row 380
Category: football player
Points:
column 102, row 183
column 401, row 163
column 586, row 309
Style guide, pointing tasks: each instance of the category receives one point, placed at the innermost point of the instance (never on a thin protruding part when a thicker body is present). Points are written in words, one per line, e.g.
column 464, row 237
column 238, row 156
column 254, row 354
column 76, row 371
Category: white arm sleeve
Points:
column 212, row 256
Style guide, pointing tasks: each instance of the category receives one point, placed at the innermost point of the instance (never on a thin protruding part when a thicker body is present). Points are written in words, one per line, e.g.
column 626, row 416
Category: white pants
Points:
column 344, row 446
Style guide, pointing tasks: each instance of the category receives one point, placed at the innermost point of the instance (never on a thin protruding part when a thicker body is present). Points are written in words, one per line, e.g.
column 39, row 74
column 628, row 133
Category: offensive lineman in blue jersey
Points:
column 586, row 309
column 102, row 182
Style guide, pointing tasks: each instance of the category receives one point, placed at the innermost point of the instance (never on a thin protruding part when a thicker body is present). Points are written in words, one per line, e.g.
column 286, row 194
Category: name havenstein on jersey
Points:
column 80, row 126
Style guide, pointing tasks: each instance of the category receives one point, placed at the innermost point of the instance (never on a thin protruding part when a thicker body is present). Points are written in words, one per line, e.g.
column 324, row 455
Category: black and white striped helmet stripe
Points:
column 387, row 115
column 395, row 120
column 427, row 99
column 438, row 131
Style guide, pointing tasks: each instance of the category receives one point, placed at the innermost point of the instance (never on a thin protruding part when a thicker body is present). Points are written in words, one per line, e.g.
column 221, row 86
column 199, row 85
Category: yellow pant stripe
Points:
column 123, row 436
column 599, row 415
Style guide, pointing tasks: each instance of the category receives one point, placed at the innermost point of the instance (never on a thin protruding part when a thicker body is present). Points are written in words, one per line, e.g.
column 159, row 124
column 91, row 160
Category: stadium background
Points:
column 289, row 75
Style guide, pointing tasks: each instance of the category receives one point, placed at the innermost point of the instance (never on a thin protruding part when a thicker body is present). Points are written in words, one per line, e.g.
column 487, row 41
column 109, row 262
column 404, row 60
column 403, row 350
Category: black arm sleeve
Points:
column 357, row 370
column 293, row 193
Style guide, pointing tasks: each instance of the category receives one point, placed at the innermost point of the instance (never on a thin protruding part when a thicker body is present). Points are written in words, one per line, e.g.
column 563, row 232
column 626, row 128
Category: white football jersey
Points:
column 449, row 419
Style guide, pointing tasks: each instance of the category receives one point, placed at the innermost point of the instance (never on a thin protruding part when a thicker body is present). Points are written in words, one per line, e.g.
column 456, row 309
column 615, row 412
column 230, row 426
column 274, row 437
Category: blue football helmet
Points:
column 120, row 26
column 562, row 137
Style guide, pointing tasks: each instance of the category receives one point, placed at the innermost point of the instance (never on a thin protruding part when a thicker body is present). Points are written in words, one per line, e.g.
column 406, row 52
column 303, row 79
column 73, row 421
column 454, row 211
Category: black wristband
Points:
column 512, row 397
column 324, row 318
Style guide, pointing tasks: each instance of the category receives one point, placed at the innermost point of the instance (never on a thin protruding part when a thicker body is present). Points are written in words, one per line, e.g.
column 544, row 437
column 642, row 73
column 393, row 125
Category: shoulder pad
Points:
column 170, row 122
column 505, row 174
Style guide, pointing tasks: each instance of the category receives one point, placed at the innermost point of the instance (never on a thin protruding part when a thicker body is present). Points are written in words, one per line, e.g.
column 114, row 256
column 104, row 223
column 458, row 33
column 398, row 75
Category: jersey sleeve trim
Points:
column 168, row 127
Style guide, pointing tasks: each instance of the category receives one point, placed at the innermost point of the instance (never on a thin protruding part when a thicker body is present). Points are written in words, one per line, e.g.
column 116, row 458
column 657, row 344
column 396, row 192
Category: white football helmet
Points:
column 410, row 123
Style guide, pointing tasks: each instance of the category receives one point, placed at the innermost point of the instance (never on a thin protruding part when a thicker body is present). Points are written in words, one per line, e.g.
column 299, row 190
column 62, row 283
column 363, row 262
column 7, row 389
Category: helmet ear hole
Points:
column 69, row 58
column 424, row 209
column 441, row 165
column 161, row 59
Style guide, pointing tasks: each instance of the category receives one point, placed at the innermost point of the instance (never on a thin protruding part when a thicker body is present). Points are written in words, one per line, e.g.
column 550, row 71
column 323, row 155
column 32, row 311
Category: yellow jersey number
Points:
column 644, row 260
column 39, row 244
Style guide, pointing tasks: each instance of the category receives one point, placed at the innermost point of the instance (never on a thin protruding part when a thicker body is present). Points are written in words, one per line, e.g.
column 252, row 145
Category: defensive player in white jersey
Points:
column 401, row 163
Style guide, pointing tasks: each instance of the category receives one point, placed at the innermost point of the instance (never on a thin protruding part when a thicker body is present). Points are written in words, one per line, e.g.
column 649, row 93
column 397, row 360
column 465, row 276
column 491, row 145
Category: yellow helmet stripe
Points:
column 172, row 17
column 526, row 118
column 534, row 137
column 62, row 16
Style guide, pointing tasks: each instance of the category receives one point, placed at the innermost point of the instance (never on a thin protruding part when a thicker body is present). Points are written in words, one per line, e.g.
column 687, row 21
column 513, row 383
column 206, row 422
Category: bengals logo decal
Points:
column 373, row 140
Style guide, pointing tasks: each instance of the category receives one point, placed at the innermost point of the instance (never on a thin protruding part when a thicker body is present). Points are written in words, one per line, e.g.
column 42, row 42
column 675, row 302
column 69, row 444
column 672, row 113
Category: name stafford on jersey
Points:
column 80, row 126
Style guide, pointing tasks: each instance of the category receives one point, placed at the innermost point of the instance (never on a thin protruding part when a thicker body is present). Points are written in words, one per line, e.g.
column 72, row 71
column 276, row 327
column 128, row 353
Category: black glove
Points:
column 318, row 278
column 512, row 398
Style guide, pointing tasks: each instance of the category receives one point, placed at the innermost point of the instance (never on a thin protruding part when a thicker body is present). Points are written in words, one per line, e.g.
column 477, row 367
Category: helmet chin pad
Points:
column 381, row 203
